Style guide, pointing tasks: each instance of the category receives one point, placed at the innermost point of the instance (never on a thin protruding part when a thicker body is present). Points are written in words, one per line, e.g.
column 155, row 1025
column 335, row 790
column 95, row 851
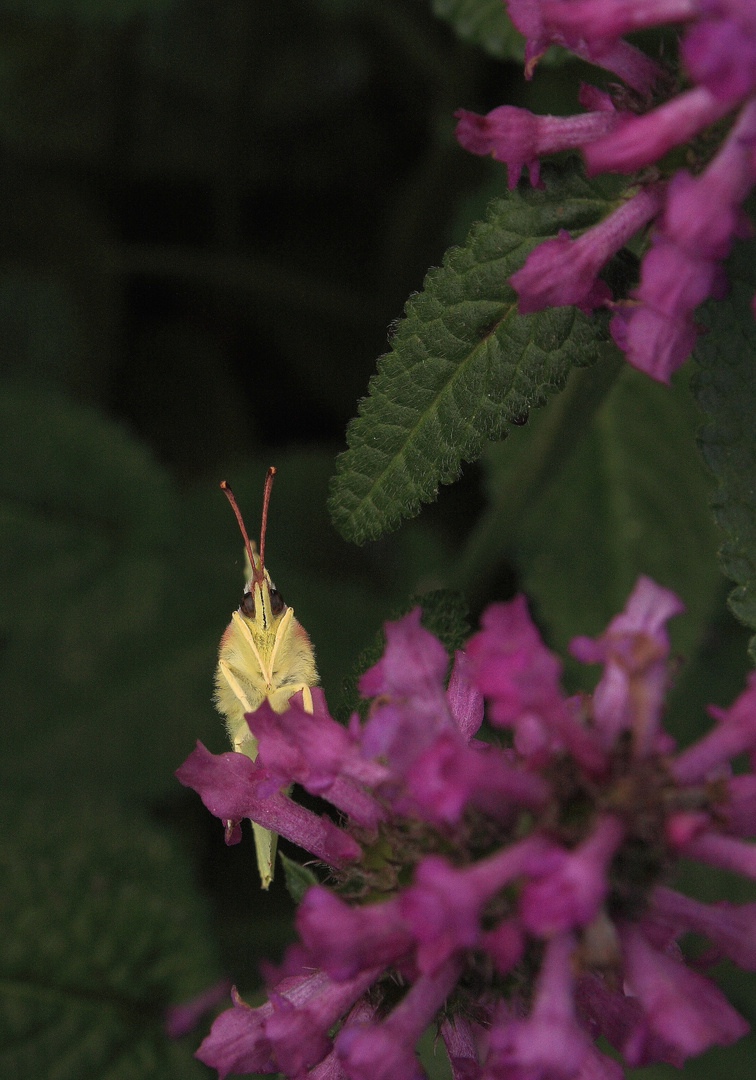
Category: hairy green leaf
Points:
column 464, row 364
column 298, row 878
column 484, row 23
column 101, row 932
column 632, row 499
column 725, row 388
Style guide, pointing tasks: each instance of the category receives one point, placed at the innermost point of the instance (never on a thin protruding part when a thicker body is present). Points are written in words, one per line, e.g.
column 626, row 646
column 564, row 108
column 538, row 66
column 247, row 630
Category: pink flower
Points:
column 698, row 216
column 518, row 137
column 544, row 862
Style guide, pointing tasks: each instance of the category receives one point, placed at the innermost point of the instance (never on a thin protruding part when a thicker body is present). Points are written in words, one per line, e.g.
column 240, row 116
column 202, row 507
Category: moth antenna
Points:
column 264, row 521
column 230, row 496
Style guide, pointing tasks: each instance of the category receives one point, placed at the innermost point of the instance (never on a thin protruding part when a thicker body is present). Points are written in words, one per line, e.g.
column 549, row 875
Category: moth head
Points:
column 262, row 603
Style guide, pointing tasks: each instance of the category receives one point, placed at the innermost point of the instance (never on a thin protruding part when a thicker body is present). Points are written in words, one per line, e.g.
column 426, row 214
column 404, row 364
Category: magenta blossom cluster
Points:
column 516, row 893
column 694, row 215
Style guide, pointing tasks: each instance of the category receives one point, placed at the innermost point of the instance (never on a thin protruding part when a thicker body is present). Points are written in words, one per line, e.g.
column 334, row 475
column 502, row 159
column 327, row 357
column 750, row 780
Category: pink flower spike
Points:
column 226, row 783
column 629, row 63
column 723, row 851
column 652, row 341
column 731, row 927
column 680, row 1005
column 237, row 1041
column 641, row 140
column 735, row 732
column 605, row 21
column 739, row 807
column 330, row 1067
column 519, row 137
column 298, row 1036
column 465, row 701
column 564, row 271
column 549, row 1041
column 345, row 940
column 719, row 50
column 570, row 893
column 460, row 1048
column 386, row 1051
column 633, row 649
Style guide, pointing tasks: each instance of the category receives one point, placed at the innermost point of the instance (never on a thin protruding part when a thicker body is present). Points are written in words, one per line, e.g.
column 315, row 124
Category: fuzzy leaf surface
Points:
column 464, row 364
column 726, row 390
column 484, row 23
column 632, row 499
column 101, row 932
column 298, row 878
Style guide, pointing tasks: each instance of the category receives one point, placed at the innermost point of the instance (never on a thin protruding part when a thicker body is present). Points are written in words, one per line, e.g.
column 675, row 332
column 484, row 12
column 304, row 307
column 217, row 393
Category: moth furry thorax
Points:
column 264, row 653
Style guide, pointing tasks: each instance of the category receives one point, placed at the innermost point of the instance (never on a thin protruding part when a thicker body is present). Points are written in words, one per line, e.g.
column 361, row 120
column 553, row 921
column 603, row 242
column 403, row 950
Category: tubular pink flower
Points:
column 518, row 137
column 735, row 732
column 621, row 1020
column 564, row 271
column 634, row 649
column 298, row 1035
column 180, row 1019
column 719, row 50
column 730, row 927
column 519, row 676
column 465, row 701
column 237, row 1041
column 681, row 1006
column 549, row 1040
column 460, row 1048
column 443, row 905
column 386, row 1051
column 652, row 341
column 641, row 140
column 726, row 852
column 330, row 1067
column 739, row 807
column 226, row 784
column 345, row 940
column 602, row 22
column 450, row 776
column 700, row 218
column 569, row 893
column 637, row 69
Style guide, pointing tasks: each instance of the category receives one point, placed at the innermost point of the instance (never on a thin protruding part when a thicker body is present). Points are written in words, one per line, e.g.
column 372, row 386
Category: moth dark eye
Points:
column 276, row 602
column 247, row 606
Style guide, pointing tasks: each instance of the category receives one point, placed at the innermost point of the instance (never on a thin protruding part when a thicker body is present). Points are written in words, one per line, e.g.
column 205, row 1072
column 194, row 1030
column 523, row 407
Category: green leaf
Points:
column 101, row 931
column 298, row 878
column 464, row 364
column 725, row 388
column 486, row 23
column 632, row 499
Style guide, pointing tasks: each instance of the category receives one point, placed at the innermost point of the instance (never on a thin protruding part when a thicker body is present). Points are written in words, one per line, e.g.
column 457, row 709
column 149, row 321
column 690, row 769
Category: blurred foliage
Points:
column 210, row 214
column 726, row 391
column 102, row 930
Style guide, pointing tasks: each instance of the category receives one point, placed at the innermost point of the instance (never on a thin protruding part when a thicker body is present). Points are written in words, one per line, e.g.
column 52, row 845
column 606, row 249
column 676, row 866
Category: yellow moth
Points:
column 264, row 653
